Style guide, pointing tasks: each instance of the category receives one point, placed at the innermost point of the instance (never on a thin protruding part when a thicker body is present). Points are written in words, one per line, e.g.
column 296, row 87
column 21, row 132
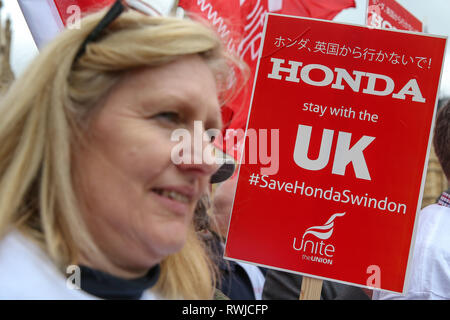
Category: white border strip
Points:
column 43, row 20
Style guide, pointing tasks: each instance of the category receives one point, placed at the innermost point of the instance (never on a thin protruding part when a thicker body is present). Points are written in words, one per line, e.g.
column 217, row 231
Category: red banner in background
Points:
column 240, row 24
column 86, row 6
column 46, row 18
column 326, row 10
column 389, row 14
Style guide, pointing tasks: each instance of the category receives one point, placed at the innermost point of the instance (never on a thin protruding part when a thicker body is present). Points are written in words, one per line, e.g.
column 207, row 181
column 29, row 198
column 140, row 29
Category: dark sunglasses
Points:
column 120, row 6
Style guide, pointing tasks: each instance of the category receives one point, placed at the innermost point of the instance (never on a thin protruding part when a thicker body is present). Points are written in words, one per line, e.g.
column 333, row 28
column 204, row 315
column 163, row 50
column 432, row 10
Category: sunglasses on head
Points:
column 119, row 6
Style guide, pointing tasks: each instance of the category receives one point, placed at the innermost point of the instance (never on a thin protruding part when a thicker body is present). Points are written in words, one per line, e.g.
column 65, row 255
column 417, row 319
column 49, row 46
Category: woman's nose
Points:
column 202, row 154
column 200, row 168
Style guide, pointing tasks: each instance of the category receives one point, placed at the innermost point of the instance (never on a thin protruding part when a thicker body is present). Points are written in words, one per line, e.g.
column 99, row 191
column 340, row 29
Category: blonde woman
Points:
column 87, row 185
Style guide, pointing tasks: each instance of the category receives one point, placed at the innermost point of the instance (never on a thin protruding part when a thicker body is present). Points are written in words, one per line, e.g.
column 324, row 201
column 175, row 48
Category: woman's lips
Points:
column 173, row 195
column 178, row 200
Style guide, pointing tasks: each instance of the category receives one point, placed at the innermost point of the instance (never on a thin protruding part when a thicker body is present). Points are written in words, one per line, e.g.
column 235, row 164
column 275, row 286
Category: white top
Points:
column 429, row 277
column 256, row 277
column 26, row 272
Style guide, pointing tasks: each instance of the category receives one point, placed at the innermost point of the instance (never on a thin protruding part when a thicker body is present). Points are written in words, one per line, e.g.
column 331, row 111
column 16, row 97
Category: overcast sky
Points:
column 433, row 13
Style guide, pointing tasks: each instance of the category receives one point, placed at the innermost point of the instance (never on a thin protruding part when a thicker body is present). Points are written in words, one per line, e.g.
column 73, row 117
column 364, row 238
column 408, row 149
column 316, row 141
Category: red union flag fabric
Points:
column 85, row 6
column 390, row 14
column 46, row 18
column 354, row 110
column 240, row 23
column 314, row 8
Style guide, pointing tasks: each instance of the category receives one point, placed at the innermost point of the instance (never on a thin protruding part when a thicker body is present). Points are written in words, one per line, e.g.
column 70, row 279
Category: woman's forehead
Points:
column 187, row 82
column 186, row 72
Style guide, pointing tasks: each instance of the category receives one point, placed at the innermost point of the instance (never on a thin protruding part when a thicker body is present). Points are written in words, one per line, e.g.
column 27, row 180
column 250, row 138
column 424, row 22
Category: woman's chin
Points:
column 168, row 243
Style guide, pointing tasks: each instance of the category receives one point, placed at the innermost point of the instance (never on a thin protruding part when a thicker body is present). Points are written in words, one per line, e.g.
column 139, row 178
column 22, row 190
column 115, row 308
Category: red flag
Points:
column 390, row 14
column 46, row 18
column 315, row 8
column 86, row 6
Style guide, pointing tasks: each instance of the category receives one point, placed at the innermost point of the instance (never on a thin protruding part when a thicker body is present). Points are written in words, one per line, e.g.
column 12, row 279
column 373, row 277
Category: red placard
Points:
column 354, row 107
column 389, row 14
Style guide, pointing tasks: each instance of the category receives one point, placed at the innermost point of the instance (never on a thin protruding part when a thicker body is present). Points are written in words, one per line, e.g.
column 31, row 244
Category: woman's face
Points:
column 137, row 203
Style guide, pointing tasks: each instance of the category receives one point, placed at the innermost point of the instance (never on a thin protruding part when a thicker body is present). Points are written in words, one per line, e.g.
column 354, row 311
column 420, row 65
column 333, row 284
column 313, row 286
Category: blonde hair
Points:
column 44, row 113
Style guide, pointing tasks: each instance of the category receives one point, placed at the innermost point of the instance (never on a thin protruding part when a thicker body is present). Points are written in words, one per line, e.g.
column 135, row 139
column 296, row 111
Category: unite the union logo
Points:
column 313, row 246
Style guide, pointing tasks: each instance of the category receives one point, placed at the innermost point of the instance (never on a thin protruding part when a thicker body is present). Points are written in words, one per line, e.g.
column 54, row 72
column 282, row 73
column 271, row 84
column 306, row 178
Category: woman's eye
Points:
column 169, row 116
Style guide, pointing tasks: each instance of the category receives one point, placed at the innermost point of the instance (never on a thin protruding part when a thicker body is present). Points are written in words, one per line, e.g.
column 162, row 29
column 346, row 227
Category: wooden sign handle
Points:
column 311, row 289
